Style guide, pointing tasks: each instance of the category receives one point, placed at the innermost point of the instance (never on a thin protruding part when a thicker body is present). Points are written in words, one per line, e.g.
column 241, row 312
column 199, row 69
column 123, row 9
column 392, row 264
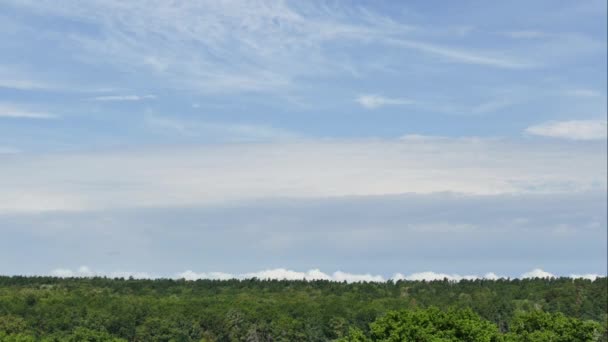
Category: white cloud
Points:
column 191, row 275
column 537, row 273
column 430, row 276
column 23, row 84
column 28, row 79
column 297, row 169
column 285, row 274
column 421, row 137
column 12, row 111
column 491, row 276
column 62, row 273
column 376, row 101
column 572, row 130
column 281, row 273
column 86, row 272
column 211, row 46
column 12, row 77
column 463, row 56
column 350, row 278
column 123, row 97
column 313, row 274
column 590, row 276
column 277, row 273
column 128, row 274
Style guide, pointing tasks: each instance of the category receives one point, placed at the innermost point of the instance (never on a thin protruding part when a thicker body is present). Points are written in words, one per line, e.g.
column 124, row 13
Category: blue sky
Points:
column 372, row 138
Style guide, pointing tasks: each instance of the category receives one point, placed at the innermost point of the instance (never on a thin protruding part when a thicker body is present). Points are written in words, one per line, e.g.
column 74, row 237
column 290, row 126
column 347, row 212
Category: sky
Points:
column 342, row 140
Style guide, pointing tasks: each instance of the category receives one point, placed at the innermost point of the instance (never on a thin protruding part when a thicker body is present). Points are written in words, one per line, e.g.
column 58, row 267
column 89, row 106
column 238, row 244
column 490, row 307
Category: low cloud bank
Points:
column 217, row 174
column 313, row 274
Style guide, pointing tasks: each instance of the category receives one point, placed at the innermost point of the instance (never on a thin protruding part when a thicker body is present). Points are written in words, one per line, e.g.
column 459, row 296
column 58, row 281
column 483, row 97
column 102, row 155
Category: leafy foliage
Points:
column 101, row 309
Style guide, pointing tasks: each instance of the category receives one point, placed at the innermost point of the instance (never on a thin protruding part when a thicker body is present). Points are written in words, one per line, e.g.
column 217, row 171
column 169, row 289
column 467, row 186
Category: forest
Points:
column 103, row 309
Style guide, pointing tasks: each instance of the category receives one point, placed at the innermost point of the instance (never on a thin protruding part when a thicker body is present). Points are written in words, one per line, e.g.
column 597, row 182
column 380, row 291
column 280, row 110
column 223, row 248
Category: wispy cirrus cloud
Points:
column 462, row 56
column 373, row 101
column 123, row 97
column 23, row 84
column 8, row 110
column 571, row 130
column 211, row 47
column 12, row 77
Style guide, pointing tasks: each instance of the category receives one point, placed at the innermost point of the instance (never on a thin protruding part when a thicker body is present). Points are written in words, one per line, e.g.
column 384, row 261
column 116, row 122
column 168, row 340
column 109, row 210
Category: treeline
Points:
column 101, row 309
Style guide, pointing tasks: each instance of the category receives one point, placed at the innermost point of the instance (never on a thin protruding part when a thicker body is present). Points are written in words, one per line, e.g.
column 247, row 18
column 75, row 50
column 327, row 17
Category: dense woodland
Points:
column 101, row 309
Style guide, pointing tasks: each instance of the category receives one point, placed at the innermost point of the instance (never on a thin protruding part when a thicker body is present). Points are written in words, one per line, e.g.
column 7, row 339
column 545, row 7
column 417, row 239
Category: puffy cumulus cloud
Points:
column 281, row 273
column 376, row 101
column 63, row 273
column 491, row 276
column 349, row 277
column 537, row 273
column 277, row 273
column 285, row 274
column 313, row 274
column 590, row 276
column 572, row 130
column 191, row 275
column 86, row 272
column 430, row 276
column 339, row 276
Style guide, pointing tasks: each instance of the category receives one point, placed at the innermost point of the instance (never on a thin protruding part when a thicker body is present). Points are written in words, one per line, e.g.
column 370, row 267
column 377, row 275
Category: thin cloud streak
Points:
column 462, row 56
column 373, row 101
column 571, row 130
column 123, row 98
column 15, row 112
